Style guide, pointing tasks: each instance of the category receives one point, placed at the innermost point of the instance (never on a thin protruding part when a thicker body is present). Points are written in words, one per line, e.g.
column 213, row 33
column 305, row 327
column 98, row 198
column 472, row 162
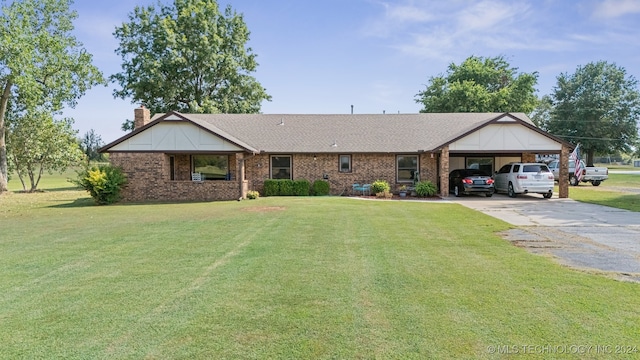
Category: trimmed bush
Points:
column 286, row 187
column 426, row 188
column 271, row 187
column 301, row 187
column 321, row 188
column 103, row 183
column 379, row 186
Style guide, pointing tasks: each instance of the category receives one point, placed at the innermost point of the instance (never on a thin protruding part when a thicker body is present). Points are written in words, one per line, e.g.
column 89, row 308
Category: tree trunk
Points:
column 590, row 154
column 4, row 100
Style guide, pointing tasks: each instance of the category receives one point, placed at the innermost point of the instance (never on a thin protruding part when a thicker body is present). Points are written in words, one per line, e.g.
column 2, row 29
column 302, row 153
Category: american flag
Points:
column 575, row 157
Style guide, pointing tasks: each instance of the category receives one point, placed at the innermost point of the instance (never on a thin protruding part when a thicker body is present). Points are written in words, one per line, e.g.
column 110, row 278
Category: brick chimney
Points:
column 141, row 117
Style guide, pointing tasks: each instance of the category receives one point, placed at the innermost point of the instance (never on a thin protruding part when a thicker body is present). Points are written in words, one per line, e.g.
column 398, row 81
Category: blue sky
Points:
column 324, row 56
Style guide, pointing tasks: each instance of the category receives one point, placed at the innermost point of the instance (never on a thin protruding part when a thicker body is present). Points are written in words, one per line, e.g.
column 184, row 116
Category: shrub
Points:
column 426, row 188
column 386, row 194
column 271, row 187
column 379, row 186
column 286, row 187
column 103, row 183
column 252, row 194
column 320, row 188
column 301, row 187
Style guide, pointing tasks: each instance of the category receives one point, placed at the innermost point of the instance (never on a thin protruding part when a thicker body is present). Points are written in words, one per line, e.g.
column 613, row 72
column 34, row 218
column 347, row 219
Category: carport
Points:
column 505, row 139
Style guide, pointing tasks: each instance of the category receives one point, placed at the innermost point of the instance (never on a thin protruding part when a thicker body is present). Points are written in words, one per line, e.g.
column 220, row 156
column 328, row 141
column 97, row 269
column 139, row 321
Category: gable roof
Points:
column 340, row 133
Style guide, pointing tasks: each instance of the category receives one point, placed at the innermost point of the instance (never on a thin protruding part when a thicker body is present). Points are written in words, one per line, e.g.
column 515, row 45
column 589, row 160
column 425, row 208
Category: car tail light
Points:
column 607, row 172
column 489, row 181
column 467, row 181
column 521, row 176
column 551, row 177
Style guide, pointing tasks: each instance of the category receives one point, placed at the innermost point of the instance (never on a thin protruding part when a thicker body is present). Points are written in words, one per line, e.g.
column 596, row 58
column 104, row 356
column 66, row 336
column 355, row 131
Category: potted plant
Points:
column 403, row 191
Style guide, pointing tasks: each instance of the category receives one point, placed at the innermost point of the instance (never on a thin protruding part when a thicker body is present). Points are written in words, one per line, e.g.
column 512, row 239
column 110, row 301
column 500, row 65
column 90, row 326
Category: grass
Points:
column 611, row 192
column 286, row 278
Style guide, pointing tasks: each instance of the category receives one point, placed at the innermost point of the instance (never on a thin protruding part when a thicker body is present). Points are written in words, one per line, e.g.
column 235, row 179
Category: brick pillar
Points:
column 240, row 173
column 444, row 172
column 563, row 181
column 528, row 157
column 141, row 117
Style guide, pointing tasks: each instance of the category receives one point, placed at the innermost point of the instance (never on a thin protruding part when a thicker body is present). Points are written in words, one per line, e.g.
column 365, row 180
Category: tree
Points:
column 90, row 143
column 541, row 115
column 38, row 143
column 127, row 125
column 480, row 85
column 598, row 106
column 42, row 66
column 188, row 57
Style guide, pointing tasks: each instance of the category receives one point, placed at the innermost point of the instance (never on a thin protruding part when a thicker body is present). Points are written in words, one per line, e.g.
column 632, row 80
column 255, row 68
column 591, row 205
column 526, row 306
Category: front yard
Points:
column 289, row 278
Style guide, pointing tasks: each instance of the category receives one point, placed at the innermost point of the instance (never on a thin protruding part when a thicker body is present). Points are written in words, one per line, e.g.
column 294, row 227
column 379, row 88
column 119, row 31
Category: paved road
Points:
column 577, row 234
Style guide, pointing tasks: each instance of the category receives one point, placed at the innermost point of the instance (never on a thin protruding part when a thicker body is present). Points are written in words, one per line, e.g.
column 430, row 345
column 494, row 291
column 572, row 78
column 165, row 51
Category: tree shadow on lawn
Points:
column 79, row 202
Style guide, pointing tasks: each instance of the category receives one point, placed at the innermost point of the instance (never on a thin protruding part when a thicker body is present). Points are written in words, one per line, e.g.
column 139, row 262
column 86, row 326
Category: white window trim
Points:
column 290, row 165
column 398, row 167
column 340, row 163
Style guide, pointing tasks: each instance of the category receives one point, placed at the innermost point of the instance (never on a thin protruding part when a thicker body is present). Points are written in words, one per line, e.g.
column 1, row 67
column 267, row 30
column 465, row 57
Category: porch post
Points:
column 240, row 175
column 563, row 181
column 444, row 171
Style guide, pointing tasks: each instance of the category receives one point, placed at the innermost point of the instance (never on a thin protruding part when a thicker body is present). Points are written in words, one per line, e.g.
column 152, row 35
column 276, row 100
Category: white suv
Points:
column 523, row 178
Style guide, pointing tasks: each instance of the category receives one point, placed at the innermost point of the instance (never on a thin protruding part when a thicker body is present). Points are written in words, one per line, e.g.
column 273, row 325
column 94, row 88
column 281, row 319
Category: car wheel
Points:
column 547, row 195
column 596, row 183
column 573, row 181
column 510, row 191
column 489, row 194
column 456, row 191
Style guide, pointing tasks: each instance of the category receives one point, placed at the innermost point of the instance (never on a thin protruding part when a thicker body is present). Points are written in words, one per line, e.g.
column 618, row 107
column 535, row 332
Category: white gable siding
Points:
column 504, row 137
column 175, row 136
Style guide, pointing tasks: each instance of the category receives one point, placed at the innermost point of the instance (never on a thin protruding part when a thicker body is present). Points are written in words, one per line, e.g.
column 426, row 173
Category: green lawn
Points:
column 287, row 278
column 610, row 192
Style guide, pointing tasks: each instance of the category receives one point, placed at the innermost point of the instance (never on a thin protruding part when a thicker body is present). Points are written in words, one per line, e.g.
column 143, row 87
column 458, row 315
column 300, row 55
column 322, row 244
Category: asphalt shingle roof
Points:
column 350, row 133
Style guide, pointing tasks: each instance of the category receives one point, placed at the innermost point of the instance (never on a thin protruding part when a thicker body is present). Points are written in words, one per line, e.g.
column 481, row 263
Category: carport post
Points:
column 563, row 181
column 444, row 171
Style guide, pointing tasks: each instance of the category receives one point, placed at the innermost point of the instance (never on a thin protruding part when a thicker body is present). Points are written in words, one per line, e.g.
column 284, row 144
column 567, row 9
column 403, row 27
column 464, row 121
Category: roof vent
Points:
column 335, row 144
column 281, row 122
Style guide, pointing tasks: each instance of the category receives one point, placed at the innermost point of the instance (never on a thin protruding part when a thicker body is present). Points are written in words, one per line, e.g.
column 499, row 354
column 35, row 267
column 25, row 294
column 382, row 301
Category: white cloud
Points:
column 447, row 30
column 408, row 13
column 609, row 9
column 491, row 15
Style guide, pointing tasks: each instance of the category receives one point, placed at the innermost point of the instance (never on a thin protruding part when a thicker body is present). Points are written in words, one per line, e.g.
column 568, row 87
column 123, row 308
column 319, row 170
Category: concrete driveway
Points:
column 580, row 235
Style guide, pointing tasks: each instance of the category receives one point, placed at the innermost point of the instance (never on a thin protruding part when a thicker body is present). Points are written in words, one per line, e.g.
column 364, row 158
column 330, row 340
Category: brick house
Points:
column 234, row 153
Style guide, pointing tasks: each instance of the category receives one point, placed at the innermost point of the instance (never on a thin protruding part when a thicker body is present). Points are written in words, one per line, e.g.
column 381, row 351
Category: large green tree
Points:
column 42, row 65
column 90, row 143
column 188, row 56
column 38, row 143
column 480, row 84
column 598, row 106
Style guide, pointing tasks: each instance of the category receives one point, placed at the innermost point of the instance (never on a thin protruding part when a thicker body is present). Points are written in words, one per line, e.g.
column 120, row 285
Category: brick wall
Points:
column 365, row 168
column 529, row 157
column 149, row 177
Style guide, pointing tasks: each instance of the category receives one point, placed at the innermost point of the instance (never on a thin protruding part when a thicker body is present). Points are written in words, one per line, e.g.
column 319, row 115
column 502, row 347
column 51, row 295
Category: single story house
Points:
column 204, row 157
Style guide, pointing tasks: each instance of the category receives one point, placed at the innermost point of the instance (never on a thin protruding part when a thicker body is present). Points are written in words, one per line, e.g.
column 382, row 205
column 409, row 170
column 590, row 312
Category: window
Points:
column 172, row 167
column 407, row 168
column 484, row 164
column 505, row 169
column 281, row 167
column 345, row 163
column 212, row 167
